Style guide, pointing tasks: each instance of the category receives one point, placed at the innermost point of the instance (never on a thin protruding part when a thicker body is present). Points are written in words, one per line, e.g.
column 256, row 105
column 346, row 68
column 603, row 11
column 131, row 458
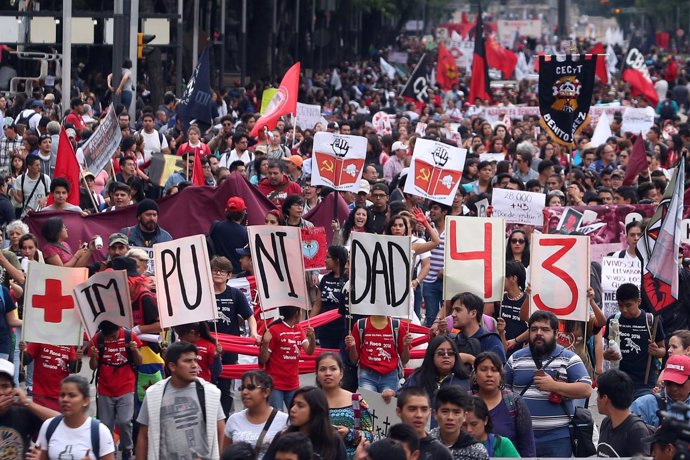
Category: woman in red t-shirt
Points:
column 52, row 363
column 280, row 349
column 208, row 349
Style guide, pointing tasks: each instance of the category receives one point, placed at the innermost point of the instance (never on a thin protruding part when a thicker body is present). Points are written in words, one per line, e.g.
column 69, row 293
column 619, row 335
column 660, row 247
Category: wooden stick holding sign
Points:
column 655, row 328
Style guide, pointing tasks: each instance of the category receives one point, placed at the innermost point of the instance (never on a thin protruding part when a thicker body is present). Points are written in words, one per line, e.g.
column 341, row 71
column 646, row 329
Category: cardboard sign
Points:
column 308, row 115
column 559, row 275
column 382, row 414
column 50, row 312
column 637, row 120
column 518, row 207
column 314, row 247
column 474, row 258
column 614, row 272
column 436, row 170
column 278, row 266
column 338, row 160
column 380, row 267
column 183, row 282
column 104, row 297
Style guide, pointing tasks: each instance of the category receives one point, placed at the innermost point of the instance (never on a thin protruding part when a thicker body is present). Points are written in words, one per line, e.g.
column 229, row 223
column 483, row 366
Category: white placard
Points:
column 492, row 157
column 380, row 267
column 184, row 286
column 685, row 231
column 151, row 265
column 614, row 272
column 308, row 115
column 436, row 170
column 99, row 147
column 104, row 297
column 338, row 161
column 518, row 207
column 637, row 120
column 382, row 413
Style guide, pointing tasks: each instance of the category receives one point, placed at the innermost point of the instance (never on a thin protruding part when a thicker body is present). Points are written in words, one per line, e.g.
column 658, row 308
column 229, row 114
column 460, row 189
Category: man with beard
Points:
column 549, row 378
column 147, row 232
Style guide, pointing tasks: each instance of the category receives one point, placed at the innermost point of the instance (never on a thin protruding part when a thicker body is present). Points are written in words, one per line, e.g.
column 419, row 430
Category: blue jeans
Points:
column 433, row 296
column 560, row 448
column 418, row 301
column 372, row 380
column 281, row 399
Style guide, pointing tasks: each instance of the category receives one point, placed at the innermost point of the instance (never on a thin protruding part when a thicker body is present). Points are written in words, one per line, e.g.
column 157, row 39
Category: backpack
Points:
column 649, row 320
column 395, row 325
column 24, row 120
column 95, row 434
column 666, row 112
column 100, row 344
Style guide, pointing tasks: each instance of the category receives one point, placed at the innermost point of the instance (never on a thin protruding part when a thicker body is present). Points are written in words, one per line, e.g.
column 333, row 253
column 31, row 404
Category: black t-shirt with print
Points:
column 232, row 305
column 635, row 336
column 17, row 426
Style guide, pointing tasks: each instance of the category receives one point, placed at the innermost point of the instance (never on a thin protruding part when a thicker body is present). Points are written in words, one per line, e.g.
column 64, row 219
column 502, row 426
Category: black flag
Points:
column 566, row 84
column 196, row 103
column 417, row 87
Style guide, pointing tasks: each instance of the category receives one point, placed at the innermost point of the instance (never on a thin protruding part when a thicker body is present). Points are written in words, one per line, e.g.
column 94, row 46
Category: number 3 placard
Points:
column 559, row 274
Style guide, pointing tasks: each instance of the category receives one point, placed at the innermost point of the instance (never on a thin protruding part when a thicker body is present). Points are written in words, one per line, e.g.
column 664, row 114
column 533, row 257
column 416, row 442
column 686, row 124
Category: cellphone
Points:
column 540, row 372
column 84, row 245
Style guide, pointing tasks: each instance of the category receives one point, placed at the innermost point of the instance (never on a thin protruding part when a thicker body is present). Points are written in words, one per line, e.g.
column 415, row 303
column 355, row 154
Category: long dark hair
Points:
column 427, row 374
column 350, row 222
column 319, row 428
column 339, row 253
column 488, row 356
column 525, row 251
column 201, row 328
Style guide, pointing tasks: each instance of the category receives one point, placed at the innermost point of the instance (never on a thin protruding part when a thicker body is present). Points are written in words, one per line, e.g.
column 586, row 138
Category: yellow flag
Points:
column 266, row 98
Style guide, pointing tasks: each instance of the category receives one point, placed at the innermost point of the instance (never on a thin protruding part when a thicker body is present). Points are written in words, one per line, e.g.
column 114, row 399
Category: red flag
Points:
column 284, row 101
column 67, row 166
column 602, row 73
column 500, row 58
column 465, row 25
column 446, row 69
column 479, row 85
column 636, row 74
column 198, row 171
column 637, row 161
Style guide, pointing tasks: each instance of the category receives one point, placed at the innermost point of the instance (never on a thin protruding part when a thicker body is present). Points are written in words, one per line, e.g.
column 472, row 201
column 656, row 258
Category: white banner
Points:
column 278, row 266
column 475, row 257
column 308, row 115
column 104, row 297
column 102, row 144
column 380, row 267
column 518, row 207
column 436, row 170
column 383, row 414
column 462, row 51
column 559, row 275
column 338, row 161
column 50, row 312
column 614, row 272
column 637, row 120
column 508, row 29
column 183, row 281
column 494, row 114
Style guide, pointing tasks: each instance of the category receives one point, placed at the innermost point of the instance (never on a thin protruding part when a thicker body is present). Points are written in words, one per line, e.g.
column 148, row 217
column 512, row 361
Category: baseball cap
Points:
column 364, row 186
column 49, row 97
column 677, row 369
column 260, row 149
column 9, row 122
column 332, row 125
column 617, row 173
column 35, row 104
column 295, row 160
column 118, row 238
column 380, row 187
column 243, row 252
column 235, row 204
column 7, row 368
column 397, row 145
column 71, row 132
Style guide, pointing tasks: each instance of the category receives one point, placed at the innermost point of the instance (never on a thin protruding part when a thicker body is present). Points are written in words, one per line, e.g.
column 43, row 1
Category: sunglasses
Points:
column 251, row 387
column 517, row 241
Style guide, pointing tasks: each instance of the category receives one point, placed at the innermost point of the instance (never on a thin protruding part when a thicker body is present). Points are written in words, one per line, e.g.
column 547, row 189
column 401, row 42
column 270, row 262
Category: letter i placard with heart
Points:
column 314, row 247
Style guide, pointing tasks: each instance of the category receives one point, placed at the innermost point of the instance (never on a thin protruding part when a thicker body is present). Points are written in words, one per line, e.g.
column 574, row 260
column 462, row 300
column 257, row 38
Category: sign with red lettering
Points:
column 338, row 160
column 559, row 275
column 475, row 257
column 50, row 312
column 436, row 170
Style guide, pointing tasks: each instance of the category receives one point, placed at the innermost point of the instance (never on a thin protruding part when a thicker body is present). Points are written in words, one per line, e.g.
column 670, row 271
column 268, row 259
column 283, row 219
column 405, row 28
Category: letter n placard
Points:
column 183, row 281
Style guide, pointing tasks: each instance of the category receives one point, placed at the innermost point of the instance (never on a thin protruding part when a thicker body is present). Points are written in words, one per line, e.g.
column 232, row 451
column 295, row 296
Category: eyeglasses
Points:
column 379, row 195
column 219, row 272
column 251, row 387
column 517, row 241
column 442, row 353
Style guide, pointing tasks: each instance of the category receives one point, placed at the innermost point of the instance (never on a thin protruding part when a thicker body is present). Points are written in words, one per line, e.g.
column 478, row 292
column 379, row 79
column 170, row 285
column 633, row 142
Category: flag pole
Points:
column 294, row 129
column 112, row 169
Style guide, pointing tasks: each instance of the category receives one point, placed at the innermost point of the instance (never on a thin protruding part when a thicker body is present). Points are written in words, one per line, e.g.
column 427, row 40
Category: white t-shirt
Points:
column 69, row 442
column 153, row 143
column 27, row 186
column 239, row 429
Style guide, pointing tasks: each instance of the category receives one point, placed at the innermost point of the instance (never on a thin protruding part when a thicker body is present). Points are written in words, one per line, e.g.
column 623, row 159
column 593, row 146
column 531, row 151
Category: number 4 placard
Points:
column 559, row 274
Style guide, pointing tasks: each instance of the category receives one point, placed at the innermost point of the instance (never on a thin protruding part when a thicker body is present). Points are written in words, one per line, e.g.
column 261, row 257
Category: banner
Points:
column 518, row 207
column 278, row 266
column 382, row 413
column 100, row 146
column 565, row 94
column 637, row 120
column 509, row 29
column 614, row 272
column 461, row 50
column 559, row 275
column 380, row 267
column 50, row 314
column 308, row 115
column 475, row 258
column 163, row 166
column 314, row 247
column 104, row 297
column 437, row 169
column 495, row 114
column 338, row 161
column 184, row 286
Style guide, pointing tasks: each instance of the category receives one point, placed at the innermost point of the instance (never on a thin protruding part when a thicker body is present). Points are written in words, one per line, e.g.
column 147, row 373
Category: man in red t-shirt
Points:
column 52, row 363
column 116, row 379
column 75, row 117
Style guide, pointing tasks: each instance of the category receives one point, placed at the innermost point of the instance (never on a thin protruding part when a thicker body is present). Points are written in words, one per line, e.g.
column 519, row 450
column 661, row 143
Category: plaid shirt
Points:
column 7, row 148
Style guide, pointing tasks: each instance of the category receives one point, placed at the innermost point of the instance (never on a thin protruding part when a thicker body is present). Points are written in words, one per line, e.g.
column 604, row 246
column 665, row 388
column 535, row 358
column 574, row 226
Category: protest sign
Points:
column 508, row 29
column 518, row 207
column 380, row 275
column 314, row 247
column 494, row 114
column 151, row 266
column 102, row 144
column 50, row 313
column 637, row 120
column 482, row 207
column 382, row 123
column 437, row 169
column 559, row 275
column 278, row 266
column 685, row 231
column 164, row 166
column 338, row 161
column 308, row 115
column 383, row 414
column 614, row 272
column 570, row 220
column 492, row 157
column 183, row 281
column 461, row 50
column 474, row 258
column 104, row 297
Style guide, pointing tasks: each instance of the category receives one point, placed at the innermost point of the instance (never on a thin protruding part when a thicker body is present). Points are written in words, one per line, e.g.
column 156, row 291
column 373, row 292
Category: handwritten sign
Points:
column 637, row 120
column 559, row 275
column 100, row 146
column 474, row 257
column 278, row 266
column 614, row 272
column 383, row 414
column 308, row 115
column 183, row 281
column 104, row 297
column 380, row 275
column 518, row 207
column 437, row 169
column 338, row 161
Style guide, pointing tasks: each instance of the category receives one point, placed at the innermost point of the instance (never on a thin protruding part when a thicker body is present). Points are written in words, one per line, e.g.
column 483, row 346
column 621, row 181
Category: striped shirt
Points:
column 437, row 259
column 7, row 149
column 549, row 420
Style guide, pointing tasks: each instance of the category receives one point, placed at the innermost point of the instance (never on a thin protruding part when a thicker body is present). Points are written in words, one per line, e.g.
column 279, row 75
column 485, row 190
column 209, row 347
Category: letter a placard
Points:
column 380, row 267
column 183, row 281
column 50, row 313
column 104, row 296
column 559, row 275
column 278, row 266
column 475, row 257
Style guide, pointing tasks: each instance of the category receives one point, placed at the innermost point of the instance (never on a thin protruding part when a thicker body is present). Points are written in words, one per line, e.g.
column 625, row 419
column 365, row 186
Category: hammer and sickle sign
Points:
column 327, row 166
column 424, row 175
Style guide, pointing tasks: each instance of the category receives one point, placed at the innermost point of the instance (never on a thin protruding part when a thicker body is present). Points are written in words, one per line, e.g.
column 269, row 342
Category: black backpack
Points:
column 100, row 344
column 666, row 112
column 95, row 434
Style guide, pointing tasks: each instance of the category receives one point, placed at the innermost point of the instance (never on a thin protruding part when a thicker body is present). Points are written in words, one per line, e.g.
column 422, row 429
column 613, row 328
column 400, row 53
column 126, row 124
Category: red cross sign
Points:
column 53, row 302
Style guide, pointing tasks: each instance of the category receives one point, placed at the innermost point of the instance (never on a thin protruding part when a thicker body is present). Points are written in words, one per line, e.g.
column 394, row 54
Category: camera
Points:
column 676, row 419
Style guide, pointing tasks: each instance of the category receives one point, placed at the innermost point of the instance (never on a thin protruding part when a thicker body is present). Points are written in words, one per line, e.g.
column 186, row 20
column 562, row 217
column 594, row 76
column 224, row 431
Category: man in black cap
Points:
column 147, row 232
column 379, row 195
column 663, row 442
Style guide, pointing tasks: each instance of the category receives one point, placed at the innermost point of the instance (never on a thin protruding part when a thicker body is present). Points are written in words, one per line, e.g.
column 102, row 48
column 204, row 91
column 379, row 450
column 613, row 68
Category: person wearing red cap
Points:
column 676, row 390
column 230, row 235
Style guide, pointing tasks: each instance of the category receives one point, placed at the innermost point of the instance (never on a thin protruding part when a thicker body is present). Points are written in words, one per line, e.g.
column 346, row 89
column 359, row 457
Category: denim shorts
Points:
column 372, row 380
